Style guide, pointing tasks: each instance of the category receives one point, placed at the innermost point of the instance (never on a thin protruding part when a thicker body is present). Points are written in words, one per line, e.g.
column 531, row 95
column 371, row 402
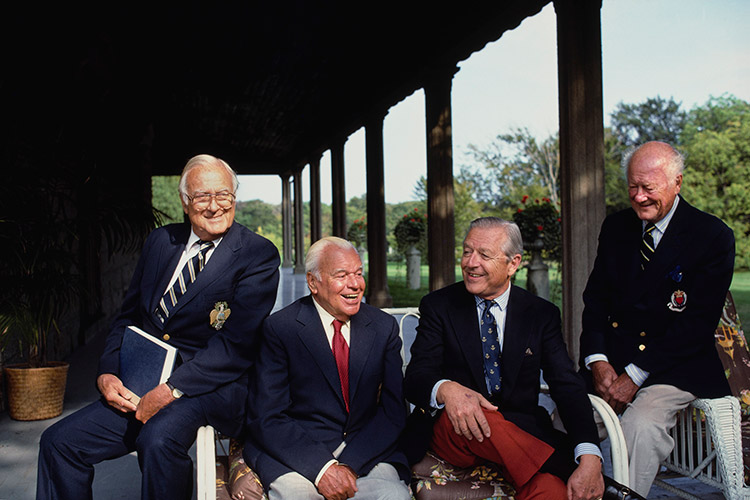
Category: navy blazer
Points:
column 296, row 412
column 448, row 346
column 627, row 313
column 242, row 271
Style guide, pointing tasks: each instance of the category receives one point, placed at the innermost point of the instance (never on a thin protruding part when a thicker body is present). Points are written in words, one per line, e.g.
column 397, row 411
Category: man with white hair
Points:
column 325, row 402
column 652, row 303
column 204, row 287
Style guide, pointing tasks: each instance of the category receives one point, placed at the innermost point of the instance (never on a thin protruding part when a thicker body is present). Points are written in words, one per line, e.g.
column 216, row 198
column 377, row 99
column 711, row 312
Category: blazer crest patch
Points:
column 219, row 314
column 678, row 301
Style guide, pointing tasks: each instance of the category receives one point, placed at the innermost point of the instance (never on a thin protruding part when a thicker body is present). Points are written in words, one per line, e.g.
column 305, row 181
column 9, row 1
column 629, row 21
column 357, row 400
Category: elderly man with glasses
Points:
column 203, row 287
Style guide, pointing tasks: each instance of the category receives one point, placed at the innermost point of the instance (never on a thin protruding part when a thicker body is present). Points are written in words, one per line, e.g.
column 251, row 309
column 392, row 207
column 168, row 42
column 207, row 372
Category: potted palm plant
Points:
column 40, row 284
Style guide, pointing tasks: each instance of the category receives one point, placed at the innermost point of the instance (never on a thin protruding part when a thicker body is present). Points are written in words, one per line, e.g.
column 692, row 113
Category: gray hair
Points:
column 675, row 165
column 512, row 244
column 315, row 252
column 207, row 161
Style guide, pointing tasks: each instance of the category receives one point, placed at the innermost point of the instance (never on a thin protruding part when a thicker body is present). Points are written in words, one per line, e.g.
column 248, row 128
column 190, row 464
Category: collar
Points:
column 501, row 301
column 325, row 317
column 193, row 239
column 662, row 224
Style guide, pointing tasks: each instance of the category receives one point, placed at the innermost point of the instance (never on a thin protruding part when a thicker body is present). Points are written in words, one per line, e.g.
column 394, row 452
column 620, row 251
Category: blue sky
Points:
column 689, row 50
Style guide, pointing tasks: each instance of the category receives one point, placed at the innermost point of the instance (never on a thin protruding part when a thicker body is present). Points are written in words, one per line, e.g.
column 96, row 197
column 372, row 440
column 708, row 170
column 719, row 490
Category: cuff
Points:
column 594, row 357
column 323, row 470
column 433, row 395
column 587, row 449
column 637, row 375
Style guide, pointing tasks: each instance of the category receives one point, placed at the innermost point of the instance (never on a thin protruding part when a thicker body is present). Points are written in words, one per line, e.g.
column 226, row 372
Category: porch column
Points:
column 299, row 232
column 579, row 56
column 316, row 229
column 286, row 221
column 338, row 190
column 440, row 224
column 377, row 279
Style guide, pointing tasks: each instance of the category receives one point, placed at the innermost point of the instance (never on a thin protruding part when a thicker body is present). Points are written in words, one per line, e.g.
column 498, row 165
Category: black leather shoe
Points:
column 615, row 491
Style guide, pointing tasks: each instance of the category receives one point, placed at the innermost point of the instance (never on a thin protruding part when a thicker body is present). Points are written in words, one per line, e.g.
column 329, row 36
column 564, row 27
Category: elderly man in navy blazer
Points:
column 325, row 402
column 474, row 376
column 203, row 287
column 652, row 303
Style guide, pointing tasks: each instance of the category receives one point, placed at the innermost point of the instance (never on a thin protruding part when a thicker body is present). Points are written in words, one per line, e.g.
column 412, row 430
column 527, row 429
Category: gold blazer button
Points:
column 166, row 336
column 642, row 347
column 615, row 324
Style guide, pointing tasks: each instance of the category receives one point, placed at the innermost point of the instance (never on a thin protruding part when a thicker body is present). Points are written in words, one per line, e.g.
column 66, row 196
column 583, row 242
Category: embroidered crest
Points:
column 219, row 314
column 678, row 301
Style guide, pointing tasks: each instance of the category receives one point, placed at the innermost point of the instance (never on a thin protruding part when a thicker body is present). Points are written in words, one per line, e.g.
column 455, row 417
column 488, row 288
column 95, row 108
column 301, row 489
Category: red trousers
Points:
column 520, row 454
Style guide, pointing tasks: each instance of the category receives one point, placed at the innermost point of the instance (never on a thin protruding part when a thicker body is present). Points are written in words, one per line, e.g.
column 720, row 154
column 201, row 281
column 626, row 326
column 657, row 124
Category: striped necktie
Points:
column 647, row 245
column 186, row 277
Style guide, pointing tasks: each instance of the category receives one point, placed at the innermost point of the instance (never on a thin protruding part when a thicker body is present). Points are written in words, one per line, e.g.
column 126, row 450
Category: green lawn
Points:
column 403, row 297
column 741, row 293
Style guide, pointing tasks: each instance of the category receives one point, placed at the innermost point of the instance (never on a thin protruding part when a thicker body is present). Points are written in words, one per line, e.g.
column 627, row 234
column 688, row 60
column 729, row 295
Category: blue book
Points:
column 145, row 361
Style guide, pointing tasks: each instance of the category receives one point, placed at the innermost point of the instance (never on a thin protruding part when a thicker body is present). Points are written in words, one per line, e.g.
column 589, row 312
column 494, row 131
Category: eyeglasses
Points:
column 201, row 201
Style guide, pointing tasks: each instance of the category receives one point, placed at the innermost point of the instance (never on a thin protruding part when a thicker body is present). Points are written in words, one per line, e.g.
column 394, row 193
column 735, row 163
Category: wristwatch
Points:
column 176, row 393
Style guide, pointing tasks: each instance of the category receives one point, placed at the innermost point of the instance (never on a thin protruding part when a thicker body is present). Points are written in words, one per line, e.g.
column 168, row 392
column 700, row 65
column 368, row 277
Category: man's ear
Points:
column 513, row 264
column 311, row 284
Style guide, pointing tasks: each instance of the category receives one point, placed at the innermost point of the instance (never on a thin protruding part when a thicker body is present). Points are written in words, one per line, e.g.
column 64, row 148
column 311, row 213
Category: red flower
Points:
column 412, row 220
column 540, row 228
column 525, row 197
column 520, row 210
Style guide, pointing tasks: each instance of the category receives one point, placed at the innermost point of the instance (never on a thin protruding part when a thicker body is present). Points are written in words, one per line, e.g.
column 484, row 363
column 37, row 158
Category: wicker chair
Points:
column 708, row 437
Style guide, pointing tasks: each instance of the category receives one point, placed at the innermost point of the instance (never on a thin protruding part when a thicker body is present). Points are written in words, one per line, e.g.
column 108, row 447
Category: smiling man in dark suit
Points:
column 652, row 303
column 325, row 403
column 475, row 365
column 203, row 287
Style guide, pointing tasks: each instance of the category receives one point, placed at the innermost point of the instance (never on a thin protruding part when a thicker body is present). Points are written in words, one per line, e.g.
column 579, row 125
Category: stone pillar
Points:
column 377, row 279
column 440, row 224
column 286, row 222
column 316, row 229
column 299, row 226
column 338, row 191
column 579, row 55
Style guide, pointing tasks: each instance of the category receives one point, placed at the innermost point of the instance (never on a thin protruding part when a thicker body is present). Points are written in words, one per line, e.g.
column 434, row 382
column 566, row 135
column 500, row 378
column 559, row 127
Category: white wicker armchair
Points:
column 710, row 450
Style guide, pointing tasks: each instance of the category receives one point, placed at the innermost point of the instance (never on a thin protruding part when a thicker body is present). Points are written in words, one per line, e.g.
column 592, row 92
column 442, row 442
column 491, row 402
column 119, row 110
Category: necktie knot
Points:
column 337, row 324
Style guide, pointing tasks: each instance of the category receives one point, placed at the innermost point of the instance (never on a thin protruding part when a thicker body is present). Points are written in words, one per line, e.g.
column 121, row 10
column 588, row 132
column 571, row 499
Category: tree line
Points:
column 494, row 179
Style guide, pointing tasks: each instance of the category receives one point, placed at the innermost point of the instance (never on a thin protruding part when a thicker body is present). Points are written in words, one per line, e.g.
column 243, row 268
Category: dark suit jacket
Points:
column 448, row 346
column 242, row 271
column 296, row 413
column 626, row 315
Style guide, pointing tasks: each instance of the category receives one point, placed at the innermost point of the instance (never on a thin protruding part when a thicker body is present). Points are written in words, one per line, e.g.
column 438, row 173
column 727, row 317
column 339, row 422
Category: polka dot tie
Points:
column 490, row 348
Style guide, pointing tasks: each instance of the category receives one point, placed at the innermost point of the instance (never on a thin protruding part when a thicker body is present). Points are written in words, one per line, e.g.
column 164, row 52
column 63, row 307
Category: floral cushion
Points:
column 733, row 352
column 434, row 478
column 234, row 479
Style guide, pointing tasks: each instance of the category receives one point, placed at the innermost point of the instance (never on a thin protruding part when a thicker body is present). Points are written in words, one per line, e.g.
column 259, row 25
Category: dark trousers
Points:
column 69, row 449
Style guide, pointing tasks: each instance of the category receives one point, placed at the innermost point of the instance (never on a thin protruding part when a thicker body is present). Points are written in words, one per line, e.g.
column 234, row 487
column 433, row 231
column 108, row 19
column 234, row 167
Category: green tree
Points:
column 166, row 199
column 717, row 174
column 656, row 119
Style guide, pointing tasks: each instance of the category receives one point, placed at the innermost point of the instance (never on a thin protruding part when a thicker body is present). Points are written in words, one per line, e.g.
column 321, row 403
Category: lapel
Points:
column 361, row 343
column 515, row 339
column 169, row 257
column 672, row 244
column 221, row 260
column 313, row 337
column 462, row 314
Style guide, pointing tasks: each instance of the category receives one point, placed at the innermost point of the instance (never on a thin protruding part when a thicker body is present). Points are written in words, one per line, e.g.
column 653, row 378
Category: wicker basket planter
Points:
column 36, row 393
